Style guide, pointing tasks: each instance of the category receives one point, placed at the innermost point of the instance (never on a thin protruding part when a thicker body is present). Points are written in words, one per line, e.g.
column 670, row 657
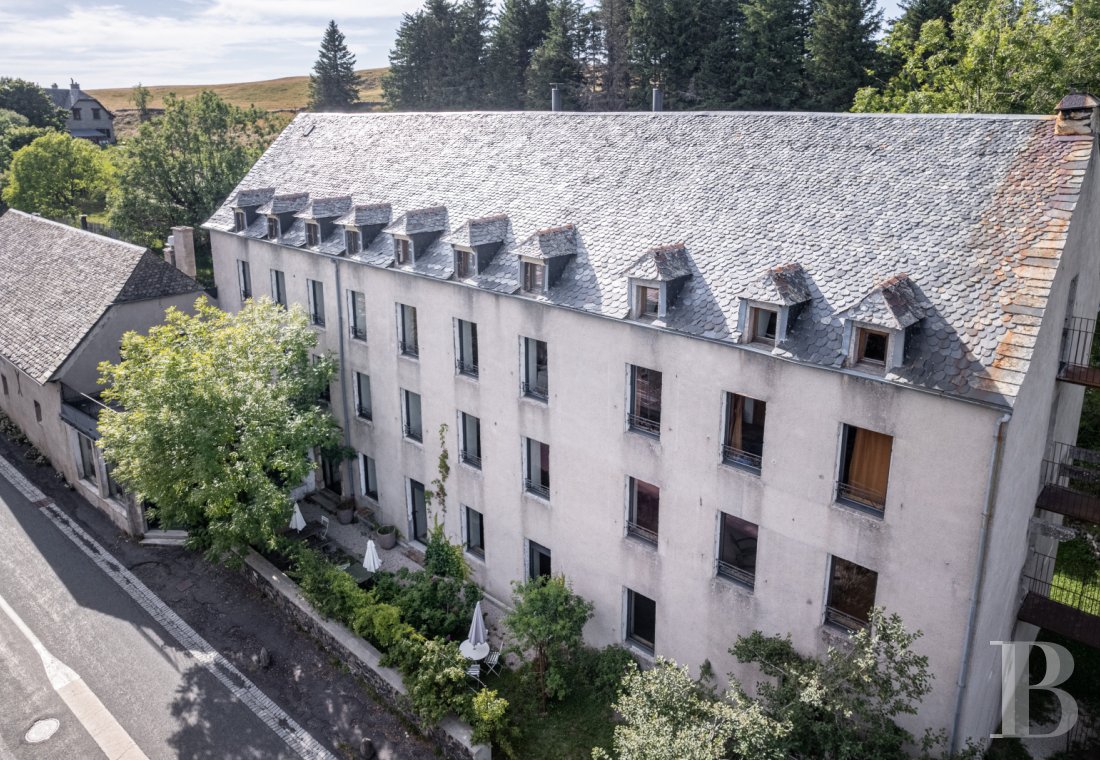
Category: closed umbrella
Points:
column 371, row 560
column 477, row 635
column 297, row 522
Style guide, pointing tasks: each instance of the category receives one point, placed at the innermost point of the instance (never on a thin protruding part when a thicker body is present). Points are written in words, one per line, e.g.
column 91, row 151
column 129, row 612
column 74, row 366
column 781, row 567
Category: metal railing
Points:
column 245, row 294
column 737, row 574
column 466, row 368
column 833, row 616
column 644, row 424
column 640, row 532
column 536, row 487
column 1041, row 577
column 410, row 348
column 364, row 413
column 846, row 493
column 317, row 320
column 1071, row 482
column 474, row 460
column 741, row 458
column 414, row 434
column 358, row 333
column 533, row 390
column 1076, row 365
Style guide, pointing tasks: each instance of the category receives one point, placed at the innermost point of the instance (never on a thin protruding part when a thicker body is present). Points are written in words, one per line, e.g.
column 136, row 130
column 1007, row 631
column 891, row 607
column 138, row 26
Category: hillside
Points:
column 269, row 94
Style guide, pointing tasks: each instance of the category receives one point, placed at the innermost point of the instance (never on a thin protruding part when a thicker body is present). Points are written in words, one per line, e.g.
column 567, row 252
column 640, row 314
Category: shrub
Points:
column 441, row 557
column 490, row 721
column 604, row 669
column 435, row 678
column 433, row 605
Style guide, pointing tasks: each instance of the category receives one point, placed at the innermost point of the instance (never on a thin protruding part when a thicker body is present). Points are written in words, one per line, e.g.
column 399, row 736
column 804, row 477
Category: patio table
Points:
column 474, row 651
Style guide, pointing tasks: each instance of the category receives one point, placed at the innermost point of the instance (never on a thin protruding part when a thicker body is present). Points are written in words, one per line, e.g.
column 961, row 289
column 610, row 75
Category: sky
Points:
column 117, row 43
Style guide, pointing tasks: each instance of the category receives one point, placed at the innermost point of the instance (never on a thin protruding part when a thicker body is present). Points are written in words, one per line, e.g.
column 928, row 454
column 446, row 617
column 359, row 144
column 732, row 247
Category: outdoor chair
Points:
column 474, row 672
column 492, row 662
column 324, row 527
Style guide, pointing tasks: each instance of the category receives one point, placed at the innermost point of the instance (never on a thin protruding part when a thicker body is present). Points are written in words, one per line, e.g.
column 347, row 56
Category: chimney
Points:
column 1076, row 114
column 555, row 98
column 183, row 250
column 658, row 98
column 74, row 86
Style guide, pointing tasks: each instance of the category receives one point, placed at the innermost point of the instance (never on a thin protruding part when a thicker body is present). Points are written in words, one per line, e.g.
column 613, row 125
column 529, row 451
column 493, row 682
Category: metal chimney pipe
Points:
column 555, row 99
column 658, row 99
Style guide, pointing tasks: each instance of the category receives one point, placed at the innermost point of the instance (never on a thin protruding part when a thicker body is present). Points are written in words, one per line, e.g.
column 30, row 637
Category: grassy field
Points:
column 270, row 94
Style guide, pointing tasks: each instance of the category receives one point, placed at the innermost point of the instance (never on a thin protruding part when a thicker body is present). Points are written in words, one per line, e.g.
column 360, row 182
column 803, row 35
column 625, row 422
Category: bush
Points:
column 441, row 557
column 433, row 605
column 435, row 676
column 489, row 718
column 604, row 669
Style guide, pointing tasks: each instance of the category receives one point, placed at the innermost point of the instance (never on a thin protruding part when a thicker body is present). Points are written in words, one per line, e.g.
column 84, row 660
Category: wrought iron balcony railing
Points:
column 641, row 532
column 474, row 460
column 410, row 349
column 358, row 333
column 1076, row 365
column 1071, row 482
column 833, row 616
column 536, row 391
column 467, row 368
column 862, row 498
column 537, row 488
column 411, row 433
column 737, row 574
column 740, row 458
column 649, row 424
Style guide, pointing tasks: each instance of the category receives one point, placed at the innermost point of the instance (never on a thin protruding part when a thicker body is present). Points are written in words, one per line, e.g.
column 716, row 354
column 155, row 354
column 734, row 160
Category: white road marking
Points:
column 85, row 705
column 296, row 737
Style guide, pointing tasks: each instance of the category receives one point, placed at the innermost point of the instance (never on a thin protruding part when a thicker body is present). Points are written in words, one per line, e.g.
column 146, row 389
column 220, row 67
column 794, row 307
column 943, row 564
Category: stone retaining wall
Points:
column 452, row 735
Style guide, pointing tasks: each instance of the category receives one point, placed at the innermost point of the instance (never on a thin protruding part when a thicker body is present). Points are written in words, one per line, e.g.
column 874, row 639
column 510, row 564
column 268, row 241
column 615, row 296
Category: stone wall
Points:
column 451, row 735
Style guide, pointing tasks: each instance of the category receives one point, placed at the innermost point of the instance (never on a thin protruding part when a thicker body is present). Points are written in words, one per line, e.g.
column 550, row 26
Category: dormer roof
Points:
column 365, row 214
column 784, row 285
column 549, row 243
column 485, row 230
column 285, row 204
column 326, row 208
column 414, row 221
column 893, row 304
column 662, row 263
column 252, row 198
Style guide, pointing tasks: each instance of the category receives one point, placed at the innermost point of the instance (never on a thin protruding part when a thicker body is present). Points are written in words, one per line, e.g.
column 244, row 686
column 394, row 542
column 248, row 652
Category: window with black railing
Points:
column 475, row 533
column 737, row 550
column 536, row 375
column 537, row 468
column 466, row 361
column 364, row 407
column 864, row 469
column 278, row 287
column 408, row 334
column 369, row 476
column 412, row 424
column 851, row 594
column 1071, row 482
column 641, row 621
column 1080, row 357
column 645, row 401
column 244, row 279
column 316, row 293
column 644, row 511
column 743, row 441
column 357, row 315
column 471, row 440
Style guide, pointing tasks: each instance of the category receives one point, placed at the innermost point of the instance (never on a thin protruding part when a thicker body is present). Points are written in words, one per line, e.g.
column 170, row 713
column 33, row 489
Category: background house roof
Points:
column 66, row 97
column 57, row 281
column 974, row 208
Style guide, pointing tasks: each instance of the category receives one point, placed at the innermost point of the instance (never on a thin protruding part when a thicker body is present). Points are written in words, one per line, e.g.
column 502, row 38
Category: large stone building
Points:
column 85, row 116
column 724, row 371
column 66, row 298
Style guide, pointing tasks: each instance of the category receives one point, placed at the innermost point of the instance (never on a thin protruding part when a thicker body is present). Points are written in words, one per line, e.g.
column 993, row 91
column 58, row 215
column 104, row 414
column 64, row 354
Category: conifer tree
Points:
column 771, row 54
column 558, row 59
column 333, row 85
column 615, row 74
column 521, row 27
column 840, row 51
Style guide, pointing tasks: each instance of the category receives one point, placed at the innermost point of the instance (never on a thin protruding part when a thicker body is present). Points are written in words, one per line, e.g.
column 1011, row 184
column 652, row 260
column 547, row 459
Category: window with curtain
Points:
column 864, row 468
column 645, row 400
column 743, row 444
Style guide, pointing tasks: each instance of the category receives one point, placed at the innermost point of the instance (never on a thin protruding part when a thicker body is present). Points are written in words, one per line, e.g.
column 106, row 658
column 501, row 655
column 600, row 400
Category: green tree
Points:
column 840, row 51
column 140, row 97
column 548, row 619
column 10, row 119
column 30, row 100
column 615, row 80
column 558, row 59
column 58, row 176
column 333, row 85
column 430, row 65
column 521, row 27
column 178, row 168
column 771, row 55
column 213, row 418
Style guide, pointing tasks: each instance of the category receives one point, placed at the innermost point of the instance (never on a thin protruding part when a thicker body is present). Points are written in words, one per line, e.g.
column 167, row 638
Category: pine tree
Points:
column 771, row 55
column 333, row 85
column 840, row 51
column 472, row 41
column 668, row 43
column 558, row 59
column 521, row 27
column 615, row 79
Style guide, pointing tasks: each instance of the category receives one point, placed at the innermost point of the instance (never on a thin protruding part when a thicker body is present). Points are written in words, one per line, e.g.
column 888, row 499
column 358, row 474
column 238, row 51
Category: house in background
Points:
column 725, row 371
column 68, row 297
column 87, row 118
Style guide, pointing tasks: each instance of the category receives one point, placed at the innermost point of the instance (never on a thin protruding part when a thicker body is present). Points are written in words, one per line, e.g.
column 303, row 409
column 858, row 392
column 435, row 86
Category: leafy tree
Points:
column 179, row 167
column 58, row 176
column 10, row 119
column 771, row 55
column 840, row 51
column 548, row 619
column 436, row 679
column 558, row 59
column 333, row 85
column 521, row 27
column 30, row 100
column 140, row 97
column 213, row 419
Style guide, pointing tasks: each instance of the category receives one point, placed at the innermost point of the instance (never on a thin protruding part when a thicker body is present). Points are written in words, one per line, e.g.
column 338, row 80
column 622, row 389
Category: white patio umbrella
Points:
column 371, row 560
column 297, row 522
column 477, row 628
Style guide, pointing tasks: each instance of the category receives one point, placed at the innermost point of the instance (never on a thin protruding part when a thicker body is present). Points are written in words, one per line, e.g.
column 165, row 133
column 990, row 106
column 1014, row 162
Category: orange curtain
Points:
column 737, row 416
column 869, row 469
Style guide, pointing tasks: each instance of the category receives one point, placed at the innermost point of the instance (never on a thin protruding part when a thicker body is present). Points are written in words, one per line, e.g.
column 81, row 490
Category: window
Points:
column 244, row 279
column 871, row 347
column 533, row 277
column 352, row 241
column 536, row 476
column 325, row 396
column 403, row 251
column 316, row 302
column 412, row 424
column 240, row 221
column 471, row 440
column 645, row 510
column 465, row 264
column 647, row 301
column 331, row 475
column 76, row 114
column 273, row 228
column 737, row 549
column 357, row 315
column 864, row 468
column 87, row 458
column 362, row 396
column 851, row 594
column 418, row 512
column 467, row 348
column 641, row 620
column 743, row 441
column 114, row 488
column 4, row 381
column 475, row 533
column 96, row 114
column 765, row 322
column 645, row 400
column 536, row 377
column 538, row 561
column 408, row 336
column 313, row 234
column 278, row 287
column 368, row 476
column 37, row 412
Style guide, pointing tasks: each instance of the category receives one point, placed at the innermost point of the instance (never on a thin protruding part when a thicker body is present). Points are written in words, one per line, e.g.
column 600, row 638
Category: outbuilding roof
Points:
column 58, row 281
column 974, row 208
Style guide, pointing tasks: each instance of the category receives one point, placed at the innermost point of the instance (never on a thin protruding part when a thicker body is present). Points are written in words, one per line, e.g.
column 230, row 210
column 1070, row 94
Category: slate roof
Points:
column 975, row 209
column 784, row 285
column 662, row 263
column 58, row 281
column 65, row 97
column 893, row 303
column 285, row 203
column 550, row 242
column 483, row 231
column 413, row 221
column 250, row 198
column 363, row 214
column 325, row 208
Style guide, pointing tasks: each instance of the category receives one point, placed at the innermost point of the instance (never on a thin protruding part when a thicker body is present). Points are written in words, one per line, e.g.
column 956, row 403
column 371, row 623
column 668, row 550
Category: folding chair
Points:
column 324, row 528
column 492, row 662
column 474, row 672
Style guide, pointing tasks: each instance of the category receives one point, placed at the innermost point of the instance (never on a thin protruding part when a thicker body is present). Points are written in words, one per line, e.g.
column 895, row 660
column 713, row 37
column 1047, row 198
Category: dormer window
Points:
column 765, row 325
column 465, row 264
column 534, row 277
column 647, row 301
column 402, row 251
column 239, row 221
column 273, row 228
column 313, row 234
column 879, row 325
column 656, row 279
column 871, row 347
column 771, row 305
column 352, row 241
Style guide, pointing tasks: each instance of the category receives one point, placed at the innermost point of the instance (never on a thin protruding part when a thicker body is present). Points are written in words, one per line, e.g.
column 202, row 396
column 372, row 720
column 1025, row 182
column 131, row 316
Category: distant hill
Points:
column 270, row 94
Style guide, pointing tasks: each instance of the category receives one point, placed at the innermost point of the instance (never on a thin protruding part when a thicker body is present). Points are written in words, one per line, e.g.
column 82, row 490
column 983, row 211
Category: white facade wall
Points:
column 923, row 548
